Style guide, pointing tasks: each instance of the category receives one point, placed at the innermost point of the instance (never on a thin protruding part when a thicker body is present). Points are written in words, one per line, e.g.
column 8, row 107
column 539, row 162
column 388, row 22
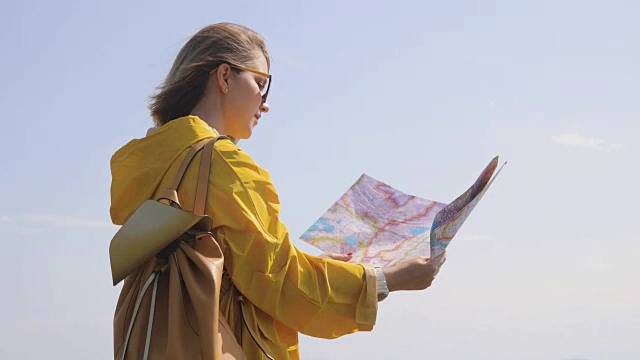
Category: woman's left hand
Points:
column 339, row 257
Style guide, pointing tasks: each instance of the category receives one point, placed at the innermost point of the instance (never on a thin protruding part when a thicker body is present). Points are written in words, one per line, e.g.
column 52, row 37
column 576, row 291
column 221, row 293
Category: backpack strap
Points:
column 203, row 178
column 187, row 160
column 170, row 195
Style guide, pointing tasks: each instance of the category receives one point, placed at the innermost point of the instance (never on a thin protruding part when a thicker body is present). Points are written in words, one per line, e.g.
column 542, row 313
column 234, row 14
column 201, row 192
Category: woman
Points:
column 219, row 84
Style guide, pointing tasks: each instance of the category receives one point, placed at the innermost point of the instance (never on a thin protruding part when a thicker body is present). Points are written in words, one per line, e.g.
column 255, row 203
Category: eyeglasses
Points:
column 264, row 88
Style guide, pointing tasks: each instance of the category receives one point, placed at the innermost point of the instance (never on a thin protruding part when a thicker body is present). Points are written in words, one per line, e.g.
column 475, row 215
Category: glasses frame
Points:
column 268, row 76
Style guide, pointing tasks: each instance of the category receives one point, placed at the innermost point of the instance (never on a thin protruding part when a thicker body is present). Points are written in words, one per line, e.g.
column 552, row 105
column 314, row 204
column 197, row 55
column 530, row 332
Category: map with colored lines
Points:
column 382, row 226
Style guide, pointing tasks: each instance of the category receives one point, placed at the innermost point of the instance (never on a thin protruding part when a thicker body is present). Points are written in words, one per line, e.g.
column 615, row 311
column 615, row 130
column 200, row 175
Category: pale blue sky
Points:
column 420, row 95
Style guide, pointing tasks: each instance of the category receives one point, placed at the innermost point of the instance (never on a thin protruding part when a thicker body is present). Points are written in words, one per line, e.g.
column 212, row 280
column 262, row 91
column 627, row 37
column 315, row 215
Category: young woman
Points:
column 219, row 84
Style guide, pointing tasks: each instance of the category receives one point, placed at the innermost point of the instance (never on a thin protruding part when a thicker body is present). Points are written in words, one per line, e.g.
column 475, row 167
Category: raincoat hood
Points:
column 139, row 166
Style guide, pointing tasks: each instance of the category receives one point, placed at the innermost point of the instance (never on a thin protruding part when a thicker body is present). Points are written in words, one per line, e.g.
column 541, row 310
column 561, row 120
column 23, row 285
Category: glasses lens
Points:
column 265, row 90
column 266, row 86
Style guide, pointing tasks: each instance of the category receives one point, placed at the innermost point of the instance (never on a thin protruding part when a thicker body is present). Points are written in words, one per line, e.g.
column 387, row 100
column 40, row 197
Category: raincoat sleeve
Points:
column 315, row 296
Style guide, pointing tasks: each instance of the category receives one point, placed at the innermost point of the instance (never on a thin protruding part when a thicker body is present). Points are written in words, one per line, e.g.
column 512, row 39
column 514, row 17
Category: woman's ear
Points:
column 222, row 77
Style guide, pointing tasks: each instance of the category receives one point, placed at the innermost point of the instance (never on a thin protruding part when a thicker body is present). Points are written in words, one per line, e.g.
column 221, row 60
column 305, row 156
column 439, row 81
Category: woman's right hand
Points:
column 414, row 274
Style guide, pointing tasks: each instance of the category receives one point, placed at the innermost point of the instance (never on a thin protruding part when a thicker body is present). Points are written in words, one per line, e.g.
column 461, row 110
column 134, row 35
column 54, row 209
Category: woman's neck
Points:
column 209, row 111
column 213, row 119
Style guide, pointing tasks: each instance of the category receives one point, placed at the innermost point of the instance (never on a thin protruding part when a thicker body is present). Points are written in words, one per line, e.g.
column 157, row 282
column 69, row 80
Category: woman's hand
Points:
column 339, row 257
column 414, row 274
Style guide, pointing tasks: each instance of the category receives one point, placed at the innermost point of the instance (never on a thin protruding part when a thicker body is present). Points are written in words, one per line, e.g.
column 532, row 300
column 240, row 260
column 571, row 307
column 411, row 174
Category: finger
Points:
column 336, row 256
column 341, row 257
column 440, row 259
column 437, row 263
column 436, row 271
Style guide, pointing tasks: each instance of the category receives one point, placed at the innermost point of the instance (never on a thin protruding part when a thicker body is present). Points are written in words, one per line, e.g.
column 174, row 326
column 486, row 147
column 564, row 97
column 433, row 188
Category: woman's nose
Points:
column 264, row 107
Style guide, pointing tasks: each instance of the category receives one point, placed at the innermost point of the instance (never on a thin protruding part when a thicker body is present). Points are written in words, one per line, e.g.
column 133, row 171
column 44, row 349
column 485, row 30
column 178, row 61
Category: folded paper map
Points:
column 383, row 226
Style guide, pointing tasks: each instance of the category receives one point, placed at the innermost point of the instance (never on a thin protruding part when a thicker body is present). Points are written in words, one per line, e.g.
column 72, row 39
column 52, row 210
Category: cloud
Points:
column 68, row 222
column 6, row 219
column 577, row 140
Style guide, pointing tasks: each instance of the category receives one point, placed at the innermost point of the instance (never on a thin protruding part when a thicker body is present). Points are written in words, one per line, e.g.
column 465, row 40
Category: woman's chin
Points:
column 247, row 134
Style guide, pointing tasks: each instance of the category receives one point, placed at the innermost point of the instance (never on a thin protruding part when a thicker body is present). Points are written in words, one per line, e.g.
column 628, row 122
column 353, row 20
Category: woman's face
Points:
column 242, row 103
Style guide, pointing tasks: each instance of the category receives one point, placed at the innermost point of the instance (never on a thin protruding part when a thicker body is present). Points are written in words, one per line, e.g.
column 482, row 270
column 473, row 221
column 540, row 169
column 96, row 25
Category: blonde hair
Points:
column 207, row 49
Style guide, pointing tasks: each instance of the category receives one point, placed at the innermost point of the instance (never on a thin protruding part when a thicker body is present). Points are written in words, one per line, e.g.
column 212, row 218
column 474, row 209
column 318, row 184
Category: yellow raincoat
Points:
column 286, row 290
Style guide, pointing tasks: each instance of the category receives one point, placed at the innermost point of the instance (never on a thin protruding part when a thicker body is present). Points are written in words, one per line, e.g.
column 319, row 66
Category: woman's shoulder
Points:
column 229, row 155
column 235, row 172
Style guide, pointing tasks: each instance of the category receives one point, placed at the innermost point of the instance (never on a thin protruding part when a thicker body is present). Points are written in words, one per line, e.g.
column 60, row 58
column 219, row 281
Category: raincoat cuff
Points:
column 368, row 304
